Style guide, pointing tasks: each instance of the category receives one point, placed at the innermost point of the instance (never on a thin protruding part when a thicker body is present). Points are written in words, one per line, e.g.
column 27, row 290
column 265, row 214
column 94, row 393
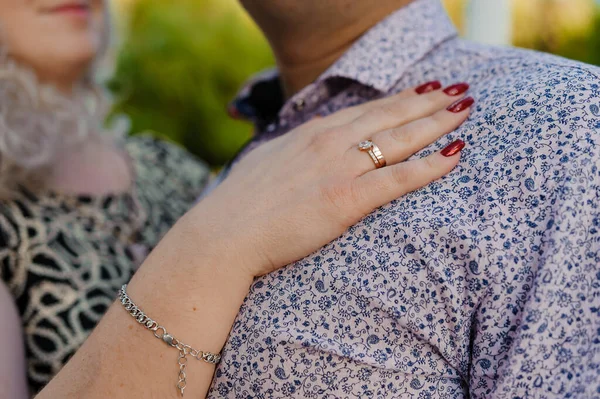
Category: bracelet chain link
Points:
column 161, row 333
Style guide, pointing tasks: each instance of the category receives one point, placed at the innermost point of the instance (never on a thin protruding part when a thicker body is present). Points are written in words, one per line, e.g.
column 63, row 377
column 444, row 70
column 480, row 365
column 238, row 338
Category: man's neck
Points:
column 304, row 56
column 301, row 62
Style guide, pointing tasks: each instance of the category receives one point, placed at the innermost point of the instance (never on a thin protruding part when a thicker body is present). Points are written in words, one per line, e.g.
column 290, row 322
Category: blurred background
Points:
column 178, row 64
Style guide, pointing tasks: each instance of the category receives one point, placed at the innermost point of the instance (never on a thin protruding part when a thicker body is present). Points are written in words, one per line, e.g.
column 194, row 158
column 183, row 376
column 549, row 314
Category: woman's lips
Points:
column 72, row 9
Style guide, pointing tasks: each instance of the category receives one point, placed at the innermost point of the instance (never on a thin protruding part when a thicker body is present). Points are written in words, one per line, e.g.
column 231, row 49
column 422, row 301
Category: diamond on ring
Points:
column 365, row 145
column 374, row 152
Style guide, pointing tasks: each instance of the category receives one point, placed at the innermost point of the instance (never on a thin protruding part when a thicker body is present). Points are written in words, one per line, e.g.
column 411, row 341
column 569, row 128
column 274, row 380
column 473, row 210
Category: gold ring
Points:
column 374, row 152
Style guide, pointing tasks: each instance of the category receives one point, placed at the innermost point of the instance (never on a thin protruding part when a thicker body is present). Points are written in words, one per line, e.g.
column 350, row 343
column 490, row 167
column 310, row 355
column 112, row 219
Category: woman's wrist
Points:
column 228, row 240
column 193, row 286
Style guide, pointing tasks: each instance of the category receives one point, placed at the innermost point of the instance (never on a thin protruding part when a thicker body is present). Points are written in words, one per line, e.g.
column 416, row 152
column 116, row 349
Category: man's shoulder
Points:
column 519, row 65
column 524, row 90
column 544, row 107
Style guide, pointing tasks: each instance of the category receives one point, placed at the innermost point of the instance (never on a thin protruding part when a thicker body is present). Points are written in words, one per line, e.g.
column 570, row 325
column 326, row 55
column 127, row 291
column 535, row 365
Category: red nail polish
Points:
column 457, row 89
column 461, row 105
column 428, row 87
column 453, row 148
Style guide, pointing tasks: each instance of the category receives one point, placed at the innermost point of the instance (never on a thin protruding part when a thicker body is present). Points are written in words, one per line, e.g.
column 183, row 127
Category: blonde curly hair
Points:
column 37, row 121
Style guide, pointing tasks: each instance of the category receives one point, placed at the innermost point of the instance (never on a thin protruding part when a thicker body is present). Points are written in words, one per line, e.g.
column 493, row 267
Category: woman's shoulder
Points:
column 160, row 160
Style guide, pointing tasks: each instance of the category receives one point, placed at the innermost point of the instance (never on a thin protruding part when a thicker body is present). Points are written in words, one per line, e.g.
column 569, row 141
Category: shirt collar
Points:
column 378, row 59
column 388, row 50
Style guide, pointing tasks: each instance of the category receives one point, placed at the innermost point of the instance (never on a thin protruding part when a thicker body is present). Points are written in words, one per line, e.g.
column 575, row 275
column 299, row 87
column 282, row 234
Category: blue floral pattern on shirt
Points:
column 486, row 283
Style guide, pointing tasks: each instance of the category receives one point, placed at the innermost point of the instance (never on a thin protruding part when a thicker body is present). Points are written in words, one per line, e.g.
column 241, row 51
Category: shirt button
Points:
column 299, row 105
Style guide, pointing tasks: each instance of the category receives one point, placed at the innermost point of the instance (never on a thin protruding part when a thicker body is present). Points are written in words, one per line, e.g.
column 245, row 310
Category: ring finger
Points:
column 398, row 144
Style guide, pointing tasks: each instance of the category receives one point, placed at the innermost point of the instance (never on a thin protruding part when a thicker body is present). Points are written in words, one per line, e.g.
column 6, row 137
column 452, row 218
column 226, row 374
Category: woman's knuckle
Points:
column 338, row 194
column 399, row 176
column 381, row 113
column 389, row 109
column 430, row 164
column 439, row 119
column 402, row 136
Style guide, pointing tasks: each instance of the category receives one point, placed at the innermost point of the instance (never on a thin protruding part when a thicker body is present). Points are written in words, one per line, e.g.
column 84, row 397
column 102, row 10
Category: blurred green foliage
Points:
column 181, row 65
column 585, row 49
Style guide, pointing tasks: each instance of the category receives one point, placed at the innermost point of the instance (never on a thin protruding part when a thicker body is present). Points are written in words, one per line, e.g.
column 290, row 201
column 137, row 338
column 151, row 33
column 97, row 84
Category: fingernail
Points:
column 461, row 105
column 453, row 148
column 428, row 87
column 457, row 89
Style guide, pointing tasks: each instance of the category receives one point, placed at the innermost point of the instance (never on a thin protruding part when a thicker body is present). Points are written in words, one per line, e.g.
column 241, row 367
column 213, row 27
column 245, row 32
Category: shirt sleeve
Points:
column 557, row 335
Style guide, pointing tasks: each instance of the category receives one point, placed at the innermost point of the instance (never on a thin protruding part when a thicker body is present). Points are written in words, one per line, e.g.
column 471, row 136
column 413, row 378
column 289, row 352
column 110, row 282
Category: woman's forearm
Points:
column 186, row 286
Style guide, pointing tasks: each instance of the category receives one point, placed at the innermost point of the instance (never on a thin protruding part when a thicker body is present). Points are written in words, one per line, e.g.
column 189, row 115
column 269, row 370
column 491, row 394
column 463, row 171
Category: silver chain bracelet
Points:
column 161, row 333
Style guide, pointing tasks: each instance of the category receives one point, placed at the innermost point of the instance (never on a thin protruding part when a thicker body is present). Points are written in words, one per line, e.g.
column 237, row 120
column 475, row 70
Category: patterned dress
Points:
column 65, row 257
column 484, row 284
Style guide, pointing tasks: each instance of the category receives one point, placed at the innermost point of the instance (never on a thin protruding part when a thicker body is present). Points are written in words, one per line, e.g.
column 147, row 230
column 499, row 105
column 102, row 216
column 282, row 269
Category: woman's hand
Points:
column 298, row 192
